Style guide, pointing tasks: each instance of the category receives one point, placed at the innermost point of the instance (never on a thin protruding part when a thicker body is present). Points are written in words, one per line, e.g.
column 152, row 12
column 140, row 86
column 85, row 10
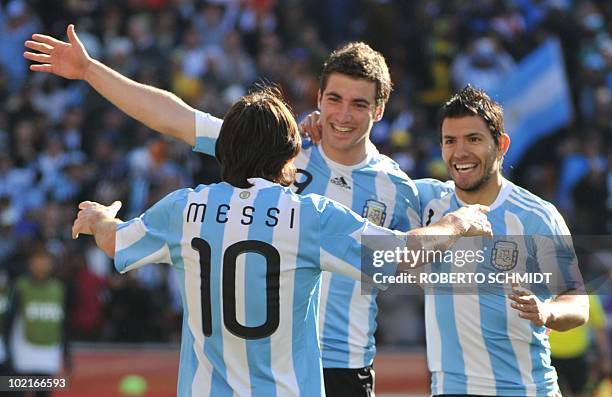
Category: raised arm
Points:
column 159, row 110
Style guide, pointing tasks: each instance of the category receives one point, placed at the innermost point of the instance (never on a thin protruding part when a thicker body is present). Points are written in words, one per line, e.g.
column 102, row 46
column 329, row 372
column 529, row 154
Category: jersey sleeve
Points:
column 342, row 233
column 409, row 216
column 207, row 132
column 428, row 190
column 144, row 240
column 555, row 254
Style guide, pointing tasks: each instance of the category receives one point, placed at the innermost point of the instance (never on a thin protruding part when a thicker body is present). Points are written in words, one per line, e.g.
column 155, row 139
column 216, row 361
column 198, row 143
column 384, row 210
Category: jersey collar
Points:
column 261, row 183
column 371, row 151
column 504, row 192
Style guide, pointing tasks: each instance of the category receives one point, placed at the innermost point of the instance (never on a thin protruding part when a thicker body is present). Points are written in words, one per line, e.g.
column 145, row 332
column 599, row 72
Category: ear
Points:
column 379, row 112
column 319, row 99
column 504, row 144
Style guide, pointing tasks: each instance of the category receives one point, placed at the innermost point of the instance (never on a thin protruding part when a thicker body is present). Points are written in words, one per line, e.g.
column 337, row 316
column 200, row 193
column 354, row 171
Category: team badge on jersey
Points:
column 504, row 255
column 375, row 212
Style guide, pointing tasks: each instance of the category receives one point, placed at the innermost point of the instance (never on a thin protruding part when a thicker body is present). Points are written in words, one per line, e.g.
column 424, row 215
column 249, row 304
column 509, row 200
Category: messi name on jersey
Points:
column 271, row 217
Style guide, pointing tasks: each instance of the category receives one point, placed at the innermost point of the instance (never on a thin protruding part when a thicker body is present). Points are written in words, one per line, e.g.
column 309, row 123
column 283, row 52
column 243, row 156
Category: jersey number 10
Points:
column 229, row 260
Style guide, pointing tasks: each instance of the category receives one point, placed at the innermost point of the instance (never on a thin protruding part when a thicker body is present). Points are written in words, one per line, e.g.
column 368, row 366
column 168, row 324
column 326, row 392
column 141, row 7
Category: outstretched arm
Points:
column 159, row 110
column 99, row 221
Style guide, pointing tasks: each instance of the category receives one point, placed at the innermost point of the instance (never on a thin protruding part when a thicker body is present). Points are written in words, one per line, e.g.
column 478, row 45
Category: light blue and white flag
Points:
column 536, row 99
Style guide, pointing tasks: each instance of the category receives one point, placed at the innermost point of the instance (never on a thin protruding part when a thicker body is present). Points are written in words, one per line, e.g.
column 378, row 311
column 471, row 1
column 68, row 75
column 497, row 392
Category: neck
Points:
column 486, row 195
column 346, row 157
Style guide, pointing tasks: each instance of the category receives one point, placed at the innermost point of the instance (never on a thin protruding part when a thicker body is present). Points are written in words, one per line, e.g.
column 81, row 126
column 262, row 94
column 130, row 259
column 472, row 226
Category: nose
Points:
column 461, row 149
column 344, row 113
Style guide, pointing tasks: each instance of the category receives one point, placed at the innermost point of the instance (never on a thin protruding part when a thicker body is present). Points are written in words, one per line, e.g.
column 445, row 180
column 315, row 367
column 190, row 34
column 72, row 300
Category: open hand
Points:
column 69, row 60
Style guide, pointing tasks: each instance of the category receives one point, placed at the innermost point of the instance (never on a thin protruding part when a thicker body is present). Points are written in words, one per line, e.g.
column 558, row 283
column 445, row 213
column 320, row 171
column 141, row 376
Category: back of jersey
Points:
column 249, row 274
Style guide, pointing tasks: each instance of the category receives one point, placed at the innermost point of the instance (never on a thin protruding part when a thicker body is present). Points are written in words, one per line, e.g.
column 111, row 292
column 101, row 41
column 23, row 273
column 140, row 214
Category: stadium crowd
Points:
column 61, row 143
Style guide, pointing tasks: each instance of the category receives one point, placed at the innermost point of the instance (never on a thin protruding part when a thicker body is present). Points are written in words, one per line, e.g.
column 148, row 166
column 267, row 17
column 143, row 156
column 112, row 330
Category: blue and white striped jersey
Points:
column 476, row 343
column 377, row 189
column 249, row 264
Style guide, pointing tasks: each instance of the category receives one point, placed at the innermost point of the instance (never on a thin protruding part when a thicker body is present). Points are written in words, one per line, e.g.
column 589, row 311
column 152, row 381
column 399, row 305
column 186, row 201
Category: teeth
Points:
column 464, row 167
column 342, row 129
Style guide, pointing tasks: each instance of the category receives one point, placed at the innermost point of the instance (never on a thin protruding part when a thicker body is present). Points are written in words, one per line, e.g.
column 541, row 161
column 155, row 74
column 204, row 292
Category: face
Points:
column 40, row 266
column 348, row 110
column 470, row 153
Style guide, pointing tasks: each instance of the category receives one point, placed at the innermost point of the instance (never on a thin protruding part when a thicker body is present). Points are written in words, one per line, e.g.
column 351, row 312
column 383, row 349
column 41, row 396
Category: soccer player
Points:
column 250, row 254
column 354, row 88
column 486, row 344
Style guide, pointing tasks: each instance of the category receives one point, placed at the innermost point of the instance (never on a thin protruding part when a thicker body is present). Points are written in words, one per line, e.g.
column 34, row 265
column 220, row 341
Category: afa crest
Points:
column 375, row 212
column 504, row 255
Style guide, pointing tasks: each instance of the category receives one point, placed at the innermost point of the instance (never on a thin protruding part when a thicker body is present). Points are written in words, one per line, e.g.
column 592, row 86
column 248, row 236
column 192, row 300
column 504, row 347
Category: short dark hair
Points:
column 359, row 60
column 472, row 101
column 258, row 137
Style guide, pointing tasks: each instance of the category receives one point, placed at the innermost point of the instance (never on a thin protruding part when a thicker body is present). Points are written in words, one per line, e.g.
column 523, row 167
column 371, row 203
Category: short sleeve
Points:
column 145, row 239
column 342, row 233
column 207, row 132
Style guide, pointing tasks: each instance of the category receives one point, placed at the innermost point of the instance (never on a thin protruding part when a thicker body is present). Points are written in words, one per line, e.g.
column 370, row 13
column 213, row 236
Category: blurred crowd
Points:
column 61, row 143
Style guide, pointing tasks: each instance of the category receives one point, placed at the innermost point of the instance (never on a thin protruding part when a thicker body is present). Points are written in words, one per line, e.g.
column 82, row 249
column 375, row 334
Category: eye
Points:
column 475, row 139
column 448, row 141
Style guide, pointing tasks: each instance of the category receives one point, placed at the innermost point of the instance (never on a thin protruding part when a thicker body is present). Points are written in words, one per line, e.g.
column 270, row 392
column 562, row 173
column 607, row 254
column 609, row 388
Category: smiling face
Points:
column 470, row 153
column 348, row 110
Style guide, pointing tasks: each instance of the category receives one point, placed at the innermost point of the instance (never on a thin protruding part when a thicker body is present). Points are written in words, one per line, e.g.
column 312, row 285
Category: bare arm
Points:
column 467, row 221
column 159, row 110
column 99, row 221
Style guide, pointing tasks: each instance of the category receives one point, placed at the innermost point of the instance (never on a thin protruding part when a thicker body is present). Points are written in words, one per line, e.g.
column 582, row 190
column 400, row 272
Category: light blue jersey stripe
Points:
column 308, row 252
column 317, row 166
column 206, row 145
column 403, row 192
column 259, row 351
column 361, row 193
column 213, row 344
column 504, row 363
column 188, row 361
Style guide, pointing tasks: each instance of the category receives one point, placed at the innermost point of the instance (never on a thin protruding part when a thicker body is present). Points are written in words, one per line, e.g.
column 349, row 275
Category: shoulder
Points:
column 429, row 188
column 386, row 164
column 540, row 215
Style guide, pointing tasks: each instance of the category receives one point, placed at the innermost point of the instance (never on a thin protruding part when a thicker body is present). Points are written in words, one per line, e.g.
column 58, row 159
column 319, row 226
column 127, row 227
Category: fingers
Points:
column 486, row 228
column 32, row 56
column 529, row 316
column 482, row 208
column 311, row 127
column 43, row 38
column 86, row 204
column 524, row 308
column 114, row 208
column 34, row 45
column 72, row 36
column 520, row 291
column 75, row 230
column 41, row 68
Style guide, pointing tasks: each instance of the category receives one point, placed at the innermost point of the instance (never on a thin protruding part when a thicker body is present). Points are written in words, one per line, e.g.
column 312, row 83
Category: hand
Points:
column 529, row 306
column 471, row 220
column 311, row 127
column 91, row 213
column 68, row 60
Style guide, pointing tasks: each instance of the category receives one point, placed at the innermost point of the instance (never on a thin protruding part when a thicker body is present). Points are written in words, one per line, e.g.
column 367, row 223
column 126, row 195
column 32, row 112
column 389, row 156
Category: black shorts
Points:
column 573, row 373
column 345, row 382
